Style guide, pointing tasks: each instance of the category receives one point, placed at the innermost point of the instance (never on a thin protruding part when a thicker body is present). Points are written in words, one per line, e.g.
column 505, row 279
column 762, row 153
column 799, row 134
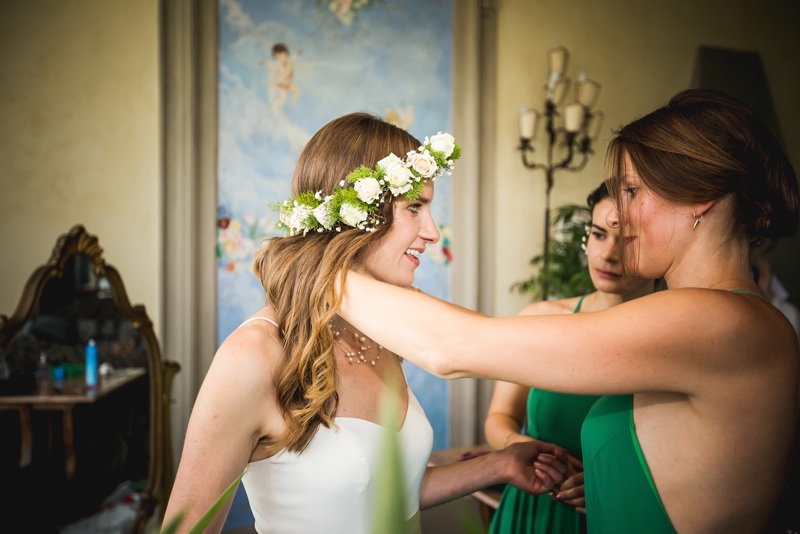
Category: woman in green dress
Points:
column 554, row 417
column 695, row 429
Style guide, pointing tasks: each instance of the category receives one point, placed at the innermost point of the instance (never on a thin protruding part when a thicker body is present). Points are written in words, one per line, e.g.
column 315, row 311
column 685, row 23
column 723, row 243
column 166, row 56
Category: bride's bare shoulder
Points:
column 255, row 343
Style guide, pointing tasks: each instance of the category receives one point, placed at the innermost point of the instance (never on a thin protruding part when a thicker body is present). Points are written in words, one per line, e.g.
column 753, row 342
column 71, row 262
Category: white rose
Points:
column 352, row 214
column 368, row 189
column 443, row 142
column 285, row 215
column 397, row 174
column 323, row 214
column 423, row 163
column 300, row 214
column 399, row 179
column 389, row 162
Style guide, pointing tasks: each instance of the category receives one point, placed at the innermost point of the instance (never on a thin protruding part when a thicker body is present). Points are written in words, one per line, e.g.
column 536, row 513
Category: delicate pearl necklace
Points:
column 359, row 340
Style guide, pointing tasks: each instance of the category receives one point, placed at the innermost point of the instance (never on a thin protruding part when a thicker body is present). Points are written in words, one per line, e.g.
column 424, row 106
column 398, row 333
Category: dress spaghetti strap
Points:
column 578, row 306
column 748, row 291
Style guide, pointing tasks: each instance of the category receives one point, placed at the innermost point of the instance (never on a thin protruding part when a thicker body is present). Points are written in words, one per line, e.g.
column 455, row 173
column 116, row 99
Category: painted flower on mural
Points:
column 346, row 10
column 238, row 239
column 441, row 252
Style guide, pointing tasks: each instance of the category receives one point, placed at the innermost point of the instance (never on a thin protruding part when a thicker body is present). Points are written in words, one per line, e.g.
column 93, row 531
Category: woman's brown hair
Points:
column 299, row 273
column 705, row 144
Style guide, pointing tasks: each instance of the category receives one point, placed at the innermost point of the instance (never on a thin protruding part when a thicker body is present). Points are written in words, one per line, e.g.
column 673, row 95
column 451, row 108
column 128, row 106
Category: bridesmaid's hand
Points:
column 535, row 467
column 572, row 489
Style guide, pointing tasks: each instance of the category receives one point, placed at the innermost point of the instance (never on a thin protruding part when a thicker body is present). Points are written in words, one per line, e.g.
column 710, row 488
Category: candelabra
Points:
column 570, row 131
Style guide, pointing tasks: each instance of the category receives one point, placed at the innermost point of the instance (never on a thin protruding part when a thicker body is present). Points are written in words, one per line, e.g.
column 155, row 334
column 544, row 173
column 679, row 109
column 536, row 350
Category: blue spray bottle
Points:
column 91, row 363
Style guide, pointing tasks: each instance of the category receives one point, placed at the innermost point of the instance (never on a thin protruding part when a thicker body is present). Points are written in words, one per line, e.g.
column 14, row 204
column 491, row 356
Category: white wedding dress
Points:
column 330, row 486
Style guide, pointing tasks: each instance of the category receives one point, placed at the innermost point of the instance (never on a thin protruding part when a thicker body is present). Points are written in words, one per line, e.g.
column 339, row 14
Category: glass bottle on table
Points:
column 43, row 375
column 91, row 363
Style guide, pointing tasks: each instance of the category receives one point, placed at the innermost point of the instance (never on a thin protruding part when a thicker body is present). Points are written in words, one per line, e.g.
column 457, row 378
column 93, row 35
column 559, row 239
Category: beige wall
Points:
column 642, row 53
column 80, row 138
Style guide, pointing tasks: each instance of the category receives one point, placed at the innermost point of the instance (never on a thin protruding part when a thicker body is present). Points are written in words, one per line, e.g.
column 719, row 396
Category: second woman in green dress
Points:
column 518, row 413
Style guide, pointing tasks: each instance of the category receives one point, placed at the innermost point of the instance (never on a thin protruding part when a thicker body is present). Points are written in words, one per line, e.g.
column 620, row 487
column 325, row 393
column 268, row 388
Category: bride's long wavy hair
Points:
column 299, row 273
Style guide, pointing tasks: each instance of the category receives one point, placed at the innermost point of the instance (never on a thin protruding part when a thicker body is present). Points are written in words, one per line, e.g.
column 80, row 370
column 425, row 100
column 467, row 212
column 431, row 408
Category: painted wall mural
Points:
column 285, row 69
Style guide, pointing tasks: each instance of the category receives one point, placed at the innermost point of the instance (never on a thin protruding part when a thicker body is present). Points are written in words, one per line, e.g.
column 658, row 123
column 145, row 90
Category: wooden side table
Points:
column 74, row 392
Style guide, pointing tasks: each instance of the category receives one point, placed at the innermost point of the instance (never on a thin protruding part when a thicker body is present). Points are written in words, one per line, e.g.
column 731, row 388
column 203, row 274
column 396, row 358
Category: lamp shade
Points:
column 587, row 92
column 573, row 117
column 595, row 121
column 560, row 91
column 528, row 120
column 557, row 59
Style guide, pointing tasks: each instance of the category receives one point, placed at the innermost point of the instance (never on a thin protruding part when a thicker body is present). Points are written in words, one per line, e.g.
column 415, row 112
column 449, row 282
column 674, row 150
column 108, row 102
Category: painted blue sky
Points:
column 393, row 55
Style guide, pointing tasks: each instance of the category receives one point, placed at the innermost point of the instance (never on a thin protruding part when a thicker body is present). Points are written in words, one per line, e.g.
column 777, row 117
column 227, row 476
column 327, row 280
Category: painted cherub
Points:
column 280, row 79
column 402, row 117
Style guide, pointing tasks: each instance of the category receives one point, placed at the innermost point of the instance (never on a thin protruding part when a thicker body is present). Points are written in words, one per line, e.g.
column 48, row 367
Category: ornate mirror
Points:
column 72, row 451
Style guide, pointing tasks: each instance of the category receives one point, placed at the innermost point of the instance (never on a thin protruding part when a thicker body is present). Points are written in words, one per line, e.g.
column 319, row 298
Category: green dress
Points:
column 554, row 418
column 621, row 497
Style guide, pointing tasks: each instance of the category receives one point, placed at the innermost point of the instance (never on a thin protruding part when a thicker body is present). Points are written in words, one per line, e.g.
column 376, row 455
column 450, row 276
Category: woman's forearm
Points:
column 502, row 430
column 531, row 467
column 411, row 324
column 445, row 483
column 506, row 415
column 542, row 351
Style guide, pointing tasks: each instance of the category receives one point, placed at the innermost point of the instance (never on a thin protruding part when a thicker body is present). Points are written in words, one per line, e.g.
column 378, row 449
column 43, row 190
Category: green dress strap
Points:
column 756, row 293
column 578, row 305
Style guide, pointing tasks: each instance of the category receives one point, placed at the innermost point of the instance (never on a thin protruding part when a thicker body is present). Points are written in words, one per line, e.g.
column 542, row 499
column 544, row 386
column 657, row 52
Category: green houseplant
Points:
column 561, row 270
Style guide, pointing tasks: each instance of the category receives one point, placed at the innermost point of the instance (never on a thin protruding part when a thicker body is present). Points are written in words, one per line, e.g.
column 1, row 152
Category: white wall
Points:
column 80, row 138
column 642, row 53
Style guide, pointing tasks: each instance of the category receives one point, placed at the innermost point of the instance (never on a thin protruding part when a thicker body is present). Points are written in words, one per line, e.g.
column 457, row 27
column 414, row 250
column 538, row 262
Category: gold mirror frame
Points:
column 160, row 372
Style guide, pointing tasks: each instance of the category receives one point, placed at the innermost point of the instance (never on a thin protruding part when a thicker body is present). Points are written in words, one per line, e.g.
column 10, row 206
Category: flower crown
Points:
column 357, row 206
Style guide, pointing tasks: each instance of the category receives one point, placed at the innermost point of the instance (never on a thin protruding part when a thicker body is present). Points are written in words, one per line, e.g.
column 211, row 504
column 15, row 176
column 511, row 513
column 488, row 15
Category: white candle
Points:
column 595, row 120
column 552, row 80
column 573, row 116
column 558, row 57
column 560, row 91
column 528, row 120
column 587, row 92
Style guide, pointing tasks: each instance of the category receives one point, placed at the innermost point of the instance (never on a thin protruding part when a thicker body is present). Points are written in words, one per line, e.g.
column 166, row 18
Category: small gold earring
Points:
column 697, row 220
